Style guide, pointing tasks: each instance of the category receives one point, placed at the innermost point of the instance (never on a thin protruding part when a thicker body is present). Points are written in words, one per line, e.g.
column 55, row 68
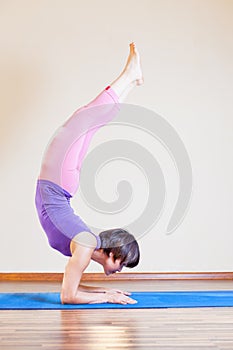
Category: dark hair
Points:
column 122, row 244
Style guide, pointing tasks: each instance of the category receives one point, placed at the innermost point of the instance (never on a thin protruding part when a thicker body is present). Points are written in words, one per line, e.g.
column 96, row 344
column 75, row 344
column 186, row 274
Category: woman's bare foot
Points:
column 130, row 76
column 133, row 68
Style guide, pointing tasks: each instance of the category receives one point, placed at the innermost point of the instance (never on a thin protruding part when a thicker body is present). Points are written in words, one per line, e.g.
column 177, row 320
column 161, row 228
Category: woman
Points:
column 58, row 181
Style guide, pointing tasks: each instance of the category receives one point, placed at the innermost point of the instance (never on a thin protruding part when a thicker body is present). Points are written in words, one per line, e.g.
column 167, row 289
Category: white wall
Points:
column 57, row 55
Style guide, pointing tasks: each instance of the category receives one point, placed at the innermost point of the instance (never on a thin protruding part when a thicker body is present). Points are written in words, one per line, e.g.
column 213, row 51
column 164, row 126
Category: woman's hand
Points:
column 118, row 297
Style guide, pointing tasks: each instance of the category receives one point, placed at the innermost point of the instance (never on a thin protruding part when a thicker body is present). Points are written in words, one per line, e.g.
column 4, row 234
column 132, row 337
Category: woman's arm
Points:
column 71, row 294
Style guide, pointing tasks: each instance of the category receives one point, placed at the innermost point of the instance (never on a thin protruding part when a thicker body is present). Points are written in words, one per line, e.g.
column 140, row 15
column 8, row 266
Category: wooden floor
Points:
column 165, row 329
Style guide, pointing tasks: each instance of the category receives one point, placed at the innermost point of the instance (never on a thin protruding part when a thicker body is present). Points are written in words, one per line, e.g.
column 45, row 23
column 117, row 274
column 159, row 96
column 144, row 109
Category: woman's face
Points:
column 112, row 266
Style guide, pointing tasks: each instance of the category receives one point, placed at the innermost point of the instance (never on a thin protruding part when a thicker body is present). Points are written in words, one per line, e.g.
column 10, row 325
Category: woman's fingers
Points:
column 119, row 298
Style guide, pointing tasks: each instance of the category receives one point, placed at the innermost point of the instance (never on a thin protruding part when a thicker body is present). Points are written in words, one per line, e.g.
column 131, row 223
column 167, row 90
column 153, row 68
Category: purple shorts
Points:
column 57, row 217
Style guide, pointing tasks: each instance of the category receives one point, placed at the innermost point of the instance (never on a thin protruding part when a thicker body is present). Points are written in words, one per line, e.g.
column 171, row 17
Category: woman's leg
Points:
column 126, row 81
column 64, row 156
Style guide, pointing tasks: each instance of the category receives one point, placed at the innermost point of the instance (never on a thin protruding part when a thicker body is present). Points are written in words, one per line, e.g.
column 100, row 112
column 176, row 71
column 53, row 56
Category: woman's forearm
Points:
column 97, row 298
column 85, row 298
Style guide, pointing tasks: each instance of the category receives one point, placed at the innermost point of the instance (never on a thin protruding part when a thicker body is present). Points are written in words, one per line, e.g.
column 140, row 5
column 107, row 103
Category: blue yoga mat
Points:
column 153, row 300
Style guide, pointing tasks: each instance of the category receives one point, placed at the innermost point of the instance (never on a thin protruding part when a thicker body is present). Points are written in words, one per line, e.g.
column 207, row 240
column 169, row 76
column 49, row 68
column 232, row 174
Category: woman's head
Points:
column 122, row 246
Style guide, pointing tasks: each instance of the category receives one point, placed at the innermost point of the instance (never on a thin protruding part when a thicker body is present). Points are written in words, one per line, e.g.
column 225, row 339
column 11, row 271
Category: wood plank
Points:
column 131, row 285
column 57, row 277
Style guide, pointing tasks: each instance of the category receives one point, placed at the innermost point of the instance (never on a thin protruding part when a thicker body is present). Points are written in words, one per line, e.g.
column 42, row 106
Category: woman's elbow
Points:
column 66, row 298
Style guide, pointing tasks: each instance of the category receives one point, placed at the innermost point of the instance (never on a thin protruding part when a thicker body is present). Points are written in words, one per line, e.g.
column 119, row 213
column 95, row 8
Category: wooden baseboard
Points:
column 57, row 277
